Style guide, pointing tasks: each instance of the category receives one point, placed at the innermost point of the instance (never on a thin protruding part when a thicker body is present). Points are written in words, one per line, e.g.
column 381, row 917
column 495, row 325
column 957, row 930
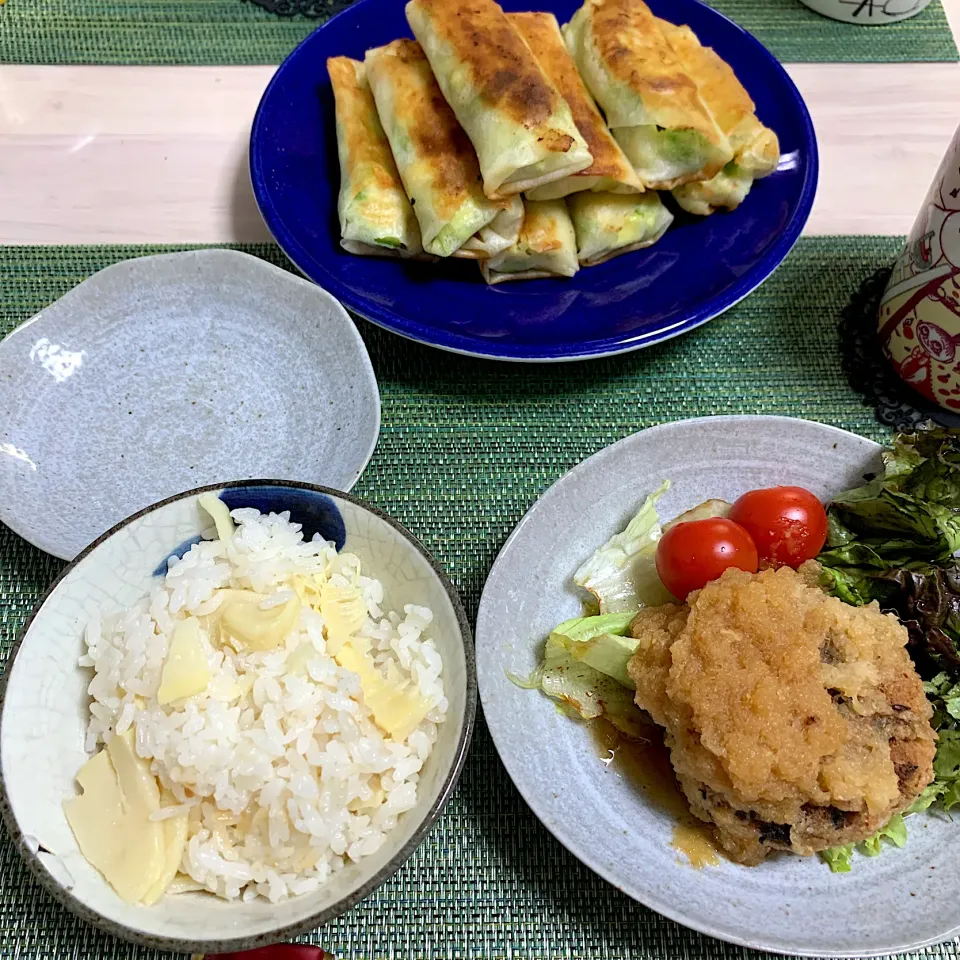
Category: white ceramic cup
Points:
column 867, row 12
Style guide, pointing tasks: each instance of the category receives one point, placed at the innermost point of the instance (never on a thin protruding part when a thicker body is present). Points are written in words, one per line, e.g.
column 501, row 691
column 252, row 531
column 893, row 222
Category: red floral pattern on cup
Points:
column 919, row 320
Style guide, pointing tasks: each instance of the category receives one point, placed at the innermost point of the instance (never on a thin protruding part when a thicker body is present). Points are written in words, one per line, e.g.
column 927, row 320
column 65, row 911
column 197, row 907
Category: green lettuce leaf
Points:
column 946, row 764
column 851, row 584
column 910, row 514
column 587, row 692
column 927, row 799
column 599, row 642
column 581, row 629
column 893, row 540
column 944, row 695
column 951, row 794
column 622, row 574
column 927, row 464
column 895, row 831
column 838, row 859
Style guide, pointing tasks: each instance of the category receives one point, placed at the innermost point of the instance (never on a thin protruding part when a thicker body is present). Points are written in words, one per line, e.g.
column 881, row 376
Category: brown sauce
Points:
column 645, row 764
column 694, row 840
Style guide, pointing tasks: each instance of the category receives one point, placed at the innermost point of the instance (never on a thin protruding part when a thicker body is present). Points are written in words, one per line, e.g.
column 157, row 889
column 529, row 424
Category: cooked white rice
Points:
column 288, row 783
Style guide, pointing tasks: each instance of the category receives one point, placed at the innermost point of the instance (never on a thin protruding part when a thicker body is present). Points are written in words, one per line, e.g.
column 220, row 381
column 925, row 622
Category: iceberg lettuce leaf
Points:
column 589, row 692
column 622, row 574
column 599, row 642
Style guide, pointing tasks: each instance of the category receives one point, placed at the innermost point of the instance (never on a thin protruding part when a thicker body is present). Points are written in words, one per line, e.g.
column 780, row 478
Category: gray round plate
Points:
column 899, row 901
column 165, row 373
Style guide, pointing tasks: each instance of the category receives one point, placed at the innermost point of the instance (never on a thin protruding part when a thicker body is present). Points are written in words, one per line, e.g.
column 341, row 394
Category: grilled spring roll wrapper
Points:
column 729, row 188
column 435, row 159
column 652, row 106
column 726, row 191
column 546, row 247
column 375, row 215
column 610, row 171
column 520, row 126
column 756, row 148
column 608, row 224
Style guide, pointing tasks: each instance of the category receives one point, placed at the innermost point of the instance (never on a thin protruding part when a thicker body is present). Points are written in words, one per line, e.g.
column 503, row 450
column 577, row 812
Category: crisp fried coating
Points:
column 794, row 721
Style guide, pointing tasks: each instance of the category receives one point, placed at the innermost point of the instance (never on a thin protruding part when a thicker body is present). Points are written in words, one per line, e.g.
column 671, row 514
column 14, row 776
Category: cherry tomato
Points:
column 788, row 524
column 692, row 554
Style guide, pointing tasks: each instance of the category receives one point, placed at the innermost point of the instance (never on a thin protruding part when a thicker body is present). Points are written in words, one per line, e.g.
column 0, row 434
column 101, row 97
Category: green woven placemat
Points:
column 465, row 448
column 237, row 31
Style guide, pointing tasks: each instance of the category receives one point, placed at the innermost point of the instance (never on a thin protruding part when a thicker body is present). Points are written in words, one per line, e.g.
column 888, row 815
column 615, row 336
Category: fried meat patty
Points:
column 794, row 721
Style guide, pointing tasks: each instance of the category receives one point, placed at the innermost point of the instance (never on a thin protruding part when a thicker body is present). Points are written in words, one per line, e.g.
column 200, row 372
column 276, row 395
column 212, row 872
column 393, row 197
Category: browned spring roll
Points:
column 651, row 104
column 546, row 247
column 756, row 149
column 375, row 215
column 610, row 171
column 519, row 124
column 435, row 159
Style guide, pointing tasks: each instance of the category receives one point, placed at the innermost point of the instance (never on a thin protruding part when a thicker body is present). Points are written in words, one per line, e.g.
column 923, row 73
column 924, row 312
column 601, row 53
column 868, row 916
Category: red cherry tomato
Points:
column 692, row 554
column 788, row 524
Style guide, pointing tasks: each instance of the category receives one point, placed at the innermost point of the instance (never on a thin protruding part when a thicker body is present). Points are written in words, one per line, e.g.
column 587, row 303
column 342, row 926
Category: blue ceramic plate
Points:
column 699, row 269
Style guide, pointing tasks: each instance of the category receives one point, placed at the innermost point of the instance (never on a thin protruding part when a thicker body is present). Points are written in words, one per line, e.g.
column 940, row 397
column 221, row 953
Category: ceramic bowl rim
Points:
column 80, row 909
column 213, row 253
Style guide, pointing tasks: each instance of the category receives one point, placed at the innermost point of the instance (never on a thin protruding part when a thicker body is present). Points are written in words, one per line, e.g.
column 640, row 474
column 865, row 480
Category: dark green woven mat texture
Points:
column 465, row 448
column 238, row 31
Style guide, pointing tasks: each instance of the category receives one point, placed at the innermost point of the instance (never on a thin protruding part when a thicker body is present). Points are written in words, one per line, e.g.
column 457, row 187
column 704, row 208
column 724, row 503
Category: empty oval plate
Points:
column 165, row 373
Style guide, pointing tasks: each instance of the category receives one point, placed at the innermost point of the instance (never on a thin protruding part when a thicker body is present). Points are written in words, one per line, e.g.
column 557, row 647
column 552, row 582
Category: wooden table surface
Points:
column 158, row 154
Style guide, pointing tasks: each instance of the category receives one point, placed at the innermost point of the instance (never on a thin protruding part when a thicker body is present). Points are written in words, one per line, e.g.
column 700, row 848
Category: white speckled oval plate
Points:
column 896, row 902
column 164, row 373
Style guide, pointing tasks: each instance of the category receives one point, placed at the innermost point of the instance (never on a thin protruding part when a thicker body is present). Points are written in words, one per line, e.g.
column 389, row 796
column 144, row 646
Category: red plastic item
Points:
column 277, row 951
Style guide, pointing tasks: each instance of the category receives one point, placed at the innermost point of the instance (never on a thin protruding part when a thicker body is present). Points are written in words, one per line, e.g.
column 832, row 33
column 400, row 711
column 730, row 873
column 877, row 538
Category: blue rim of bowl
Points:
column 453, row 343
column 177, row 944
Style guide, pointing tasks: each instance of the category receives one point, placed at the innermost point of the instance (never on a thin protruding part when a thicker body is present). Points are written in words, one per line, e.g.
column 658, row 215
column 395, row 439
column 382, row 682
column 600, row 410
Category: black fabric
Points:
column 868, row 370
column 314, row 9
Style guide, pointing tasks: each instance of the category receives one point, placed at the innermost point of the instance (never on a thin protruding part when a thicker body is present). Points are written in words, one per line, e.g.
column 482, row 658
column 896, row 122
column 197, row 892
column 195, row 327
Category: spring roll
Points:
column 608, row 224
column 610, row 171
column 652, row 106
column 436, row 161
column 726, row 191
column 546, row 247
column 756, row 149
column 520, row 126
column 376, row 218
